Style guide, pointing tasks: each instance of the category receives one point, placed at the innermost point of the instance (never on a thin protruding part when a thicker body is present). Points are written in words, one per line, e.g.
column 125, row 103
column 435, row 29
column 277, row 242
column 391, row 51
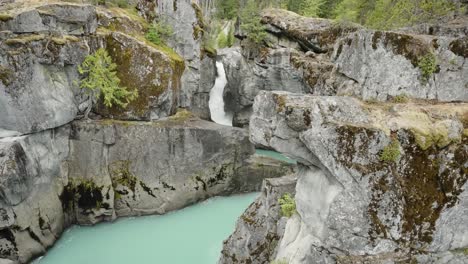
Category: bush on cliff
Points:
column 101, row 80
column 287, row 204
column 158, row 32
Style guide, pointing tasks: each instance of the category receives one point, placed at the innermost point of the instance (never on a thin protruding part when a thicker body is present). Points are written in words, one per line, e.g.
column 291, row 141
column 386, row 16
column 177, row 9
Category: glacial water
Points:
column 193, row 235
column 216, row 102
column 275, row 155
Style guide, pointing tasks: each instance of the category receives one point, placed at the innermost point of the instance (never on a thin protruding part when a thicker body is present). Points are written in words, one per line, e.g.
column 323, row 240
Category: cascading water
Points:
column 216, row 102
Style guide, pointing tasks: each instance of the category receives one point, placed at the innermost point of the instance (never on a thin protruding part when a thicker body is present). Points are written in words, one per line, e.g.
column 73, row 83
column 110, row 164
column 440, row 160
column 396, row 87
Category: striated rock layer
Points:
column 378, row 183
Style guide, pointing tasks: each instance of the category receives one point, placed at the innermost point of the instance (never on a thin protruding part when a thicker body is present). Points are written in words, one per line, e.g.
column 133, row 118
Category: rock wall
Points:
column 379, row 182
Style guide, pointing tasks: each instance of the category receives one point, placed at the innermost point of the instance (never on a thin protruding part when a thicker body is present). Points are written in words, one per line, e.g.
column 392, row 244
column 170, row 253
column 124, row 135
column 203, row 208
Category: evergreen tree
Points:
column 227, row 9
column 251, row 22
column 101, row 80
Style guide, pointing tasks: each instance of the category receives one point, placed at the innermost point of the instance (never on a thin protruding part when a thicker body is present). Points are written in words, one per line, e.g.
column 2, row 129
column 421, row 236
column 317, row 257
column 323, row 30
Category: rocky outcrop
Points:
column 39, row 54
column 247, row 77
column 382, row 65
column 260, row 227
column 378, row 183
column 340, row 59
column 31, row 181
column 186, row 19
column 190, row 161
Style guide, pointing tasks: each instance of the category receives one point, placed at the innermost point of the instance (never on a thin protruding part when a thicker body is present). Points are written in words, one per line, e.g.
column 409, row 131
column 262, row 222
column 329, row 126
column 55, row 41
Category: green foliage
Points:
column 157, row 32
column 251, row 24
column 118, row 3
column 230, row 37
column 391, row 152
column 101, row 80
column 227, row 9
column 287, row 204
column 222, row 40
column 428, row 65
column 401, row 99
column 387, row 14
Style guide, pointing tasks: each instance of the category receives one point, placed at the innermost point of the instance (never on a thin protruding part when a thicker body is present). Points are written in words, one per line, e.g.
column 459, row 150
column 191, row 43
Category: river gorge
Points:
column 154, row 131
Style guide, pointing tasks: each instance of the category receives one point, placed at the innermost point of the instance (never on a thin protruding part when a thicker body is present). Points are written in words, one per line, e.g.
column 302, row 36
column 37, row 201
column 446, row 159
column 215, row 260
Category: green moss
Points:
column 437, row 135
column 121, row 175
column 198, row 14
column 460, row 47
column 409, row 46
column 24, row 39
column 401, row 99
column 391, row 153
column 84, row 193
column 168, row 70
column 280, row 102
column 5, row 17
column 287, row 204
column 7, row 76
column 182, row 115
column 428, row 66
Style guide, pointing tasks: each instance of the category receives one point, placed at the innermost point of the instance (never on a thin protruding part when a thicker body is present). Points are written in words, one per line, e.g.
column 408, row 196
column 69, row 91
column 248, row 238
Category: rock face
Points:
column 189, row 162
column 31, row 182
column 318, row 56
column 186, row 19
column 247, row 77
column 379, row 183
column 386, row 64
column 260, row 228
column 38, row 71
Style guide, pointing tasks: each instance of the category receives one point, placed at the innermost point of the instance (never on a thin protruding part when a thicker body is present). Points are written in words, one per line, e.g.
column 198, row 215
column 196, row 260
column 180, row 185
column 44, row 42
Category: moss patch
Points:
column 82, row 192
column 22, row 40
column 460, row 47
column 408, row 46
column 5, row 17
column 7, row 76
column 149, row 71
column 391, row 153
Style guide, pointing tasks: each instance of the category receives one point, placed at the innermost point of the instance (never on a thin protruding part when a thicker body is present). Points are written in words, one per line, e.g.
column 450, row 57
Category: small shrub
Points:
column 222, row 40
column 287, row 204
column 101, row 80
column 158, row 32
column 428, row 66
column 401, row 99
column 391, row 152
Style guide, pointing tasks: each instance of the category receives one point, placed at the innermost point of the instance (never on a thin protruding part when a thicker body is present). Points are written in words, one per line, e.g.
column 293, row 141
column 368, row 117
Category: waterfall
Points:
column 216, row 102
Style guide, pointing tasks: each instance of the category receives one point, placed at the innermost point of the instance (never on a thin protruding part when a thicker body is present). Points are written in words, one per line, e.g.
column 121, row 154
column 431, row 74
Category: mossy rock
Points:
column 411, row 47
column 460, row 47
column 151, row 71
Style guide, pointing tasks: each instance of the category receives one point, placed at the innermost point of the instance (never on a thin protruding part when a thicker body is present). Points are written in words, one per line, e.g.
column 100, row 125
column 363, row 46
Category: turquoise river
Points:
column 193, row 235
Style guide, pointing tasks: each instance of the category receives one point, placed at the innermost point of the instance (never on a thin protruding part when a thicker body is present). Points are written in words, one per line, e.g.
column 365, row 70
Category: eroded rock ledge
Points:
column 378, row 182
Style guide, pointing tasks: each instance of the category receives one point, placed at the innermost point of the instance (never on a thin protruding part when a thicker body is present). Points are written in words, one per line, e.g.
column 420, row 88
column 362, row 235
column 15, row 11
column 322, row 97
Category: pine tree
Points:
column 101, row 80
column 251, row 22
